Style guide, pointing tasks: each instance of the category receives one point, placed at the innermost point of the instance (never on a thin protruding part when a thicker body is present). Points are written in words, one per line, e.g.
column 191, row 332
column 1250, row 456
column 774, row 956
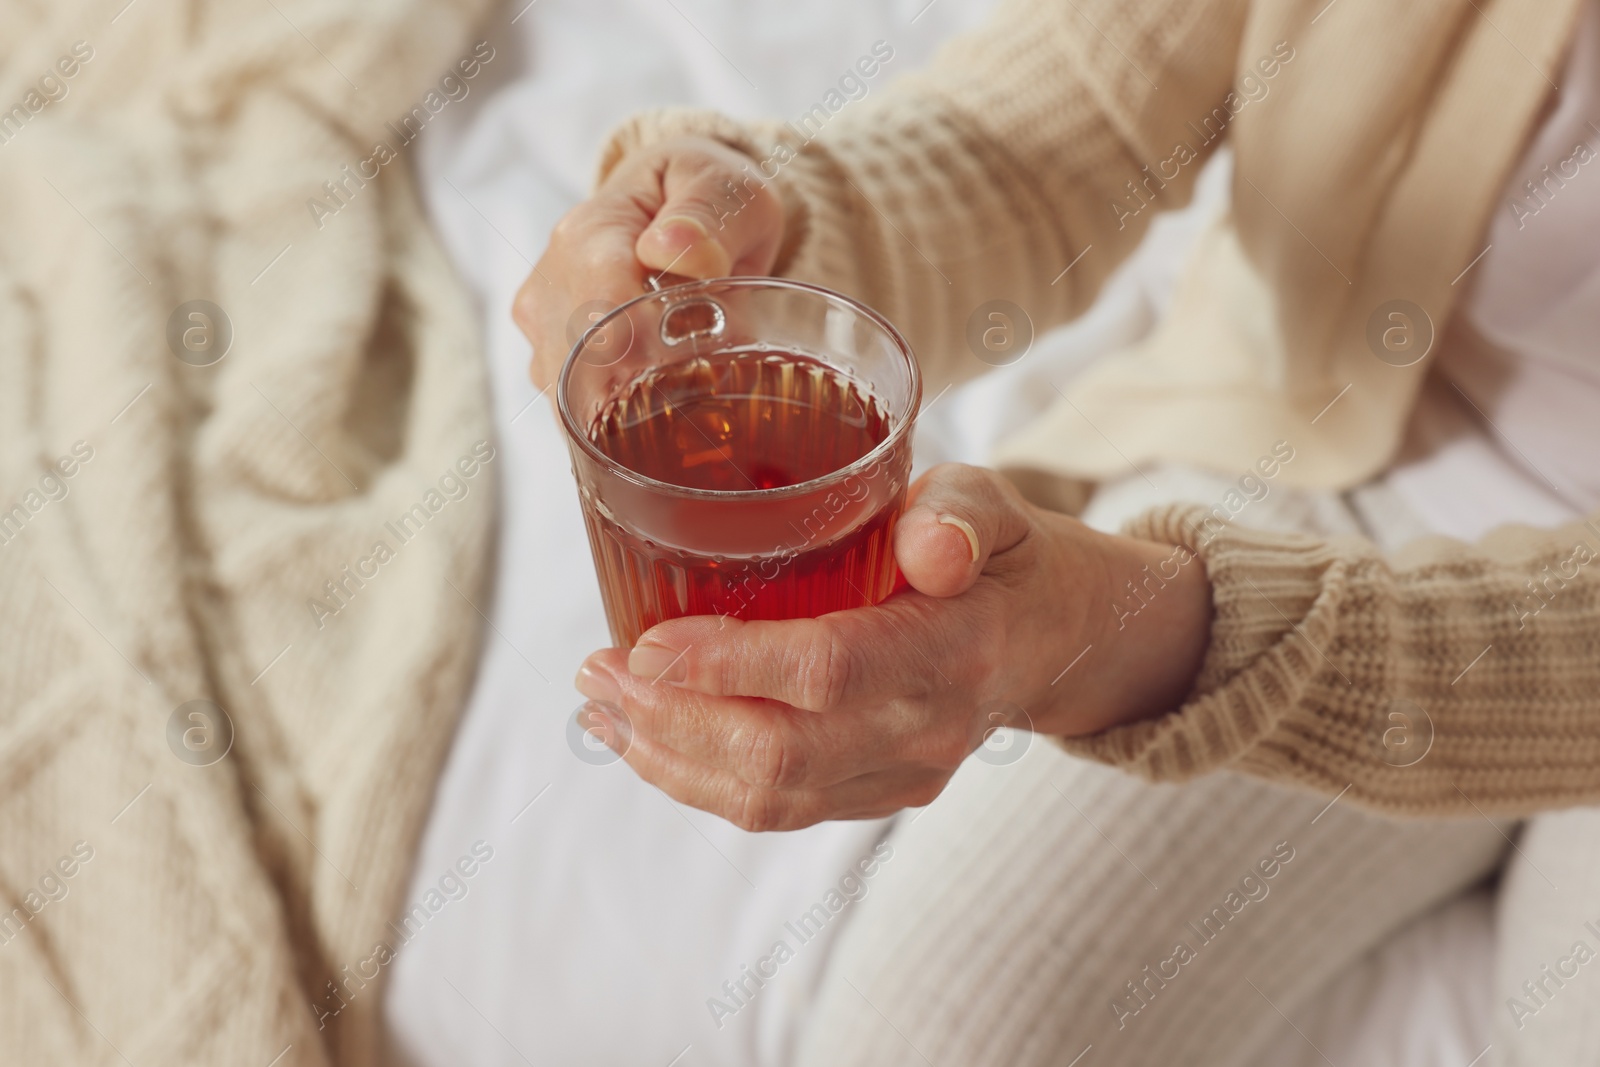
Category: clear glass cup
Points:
column 742, row 448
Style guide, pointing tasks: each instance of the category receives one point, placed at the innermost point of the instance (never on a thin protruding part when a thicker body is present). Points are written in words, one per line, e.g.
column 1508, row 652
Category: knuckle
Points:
column 704, row 205
column 983, row 485
column 722, row 661
column 826, row 670
column 773, row 761
column 988, row 489
column 757, row 811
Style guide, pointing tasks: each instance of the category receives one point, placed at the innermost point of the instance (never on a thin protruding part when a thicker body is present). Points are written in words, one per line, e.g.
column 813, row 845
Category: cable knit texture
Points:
column 153, row 909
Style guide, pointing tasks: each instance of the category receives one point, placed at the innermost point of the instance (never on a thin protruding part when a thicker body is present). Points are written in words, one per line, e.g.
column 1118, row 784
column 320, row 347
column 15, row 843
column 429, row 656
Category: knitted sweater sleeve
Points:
column 1446, row 680
column 1026, row 144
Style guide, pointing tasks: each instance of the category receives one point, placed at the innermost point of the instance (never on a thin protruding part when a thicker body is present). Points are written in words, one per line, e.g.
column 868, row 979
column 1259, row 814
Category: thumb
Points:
column 715, row 219
column 957, row 519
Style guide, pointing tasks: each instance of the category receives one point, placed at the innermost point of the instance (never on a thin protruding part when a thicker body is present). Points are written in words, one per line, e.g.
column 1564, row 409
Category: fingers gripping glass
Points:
column 742, row 448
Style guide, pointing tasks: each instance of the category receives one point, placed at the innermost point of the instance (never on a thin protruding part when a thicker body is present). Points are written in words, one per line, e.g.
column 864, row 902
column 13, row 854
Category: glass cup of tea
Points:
column 742, row 448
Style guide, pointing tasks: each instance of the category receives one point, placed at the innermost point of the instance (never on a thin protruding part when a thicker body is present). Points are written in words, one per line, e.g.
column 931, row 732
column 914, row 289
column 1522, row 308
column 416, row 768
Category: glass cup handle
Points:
column 689, row 319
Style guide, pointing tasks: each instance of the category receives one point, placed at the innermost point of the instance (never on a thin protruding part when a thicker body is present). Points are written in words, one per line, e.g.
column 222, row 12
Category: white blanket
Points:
column 609, row 916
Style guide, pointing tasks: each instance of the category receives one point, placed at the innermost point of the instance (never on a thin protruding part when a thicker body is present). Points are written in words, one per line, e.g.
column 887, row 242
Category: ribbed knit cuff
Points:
column 1274, row 601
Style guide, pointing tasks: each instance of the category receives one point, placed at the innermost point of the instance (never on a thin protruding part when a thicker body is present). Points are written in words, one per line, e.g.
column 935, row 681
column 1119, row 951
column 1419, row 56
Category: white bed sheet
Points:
column 608, row 915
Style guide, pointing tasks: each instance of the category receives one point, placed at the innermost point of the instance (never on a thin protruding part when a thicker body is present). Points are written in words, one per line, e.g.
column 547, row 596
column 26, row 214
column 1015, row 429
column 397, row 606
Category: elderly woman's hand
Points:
column 689, row 206
column 857, row 714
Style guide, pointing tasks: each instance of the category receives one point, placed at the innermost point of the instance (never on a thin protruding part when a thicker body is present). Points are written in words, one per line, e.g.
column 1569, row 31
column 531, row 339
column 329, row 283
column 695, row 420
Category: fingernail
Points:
column 965, row 527
column 681, row 231
column 655, row 663
column 597, row 684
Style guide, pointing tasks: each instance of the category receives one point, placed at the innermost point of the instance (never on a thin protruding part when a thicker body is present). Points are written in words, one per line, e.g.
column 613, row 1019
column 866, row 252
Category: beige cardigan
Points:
column 1371, row 144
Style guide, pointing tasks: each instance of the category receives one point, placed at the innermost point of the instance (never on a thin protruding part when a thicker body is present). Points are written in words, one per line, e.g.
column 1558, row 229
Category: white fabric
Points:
column 1423, row 1000
column 609, row 915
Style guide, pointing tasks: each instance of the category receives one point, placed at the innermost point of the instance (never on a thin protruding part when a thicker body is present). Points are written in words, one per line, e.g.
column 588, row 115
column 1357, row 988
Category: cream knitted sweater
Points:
column 1018, row 167
column 187, row 516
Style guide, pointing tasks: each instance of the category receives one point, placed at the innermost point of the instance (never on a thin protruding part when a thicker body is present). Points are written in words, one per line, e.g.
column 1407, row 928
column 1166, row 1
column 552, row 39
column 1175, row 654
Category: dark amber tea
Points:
column 751, row 420
column 740, row 420
column 742, row 448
